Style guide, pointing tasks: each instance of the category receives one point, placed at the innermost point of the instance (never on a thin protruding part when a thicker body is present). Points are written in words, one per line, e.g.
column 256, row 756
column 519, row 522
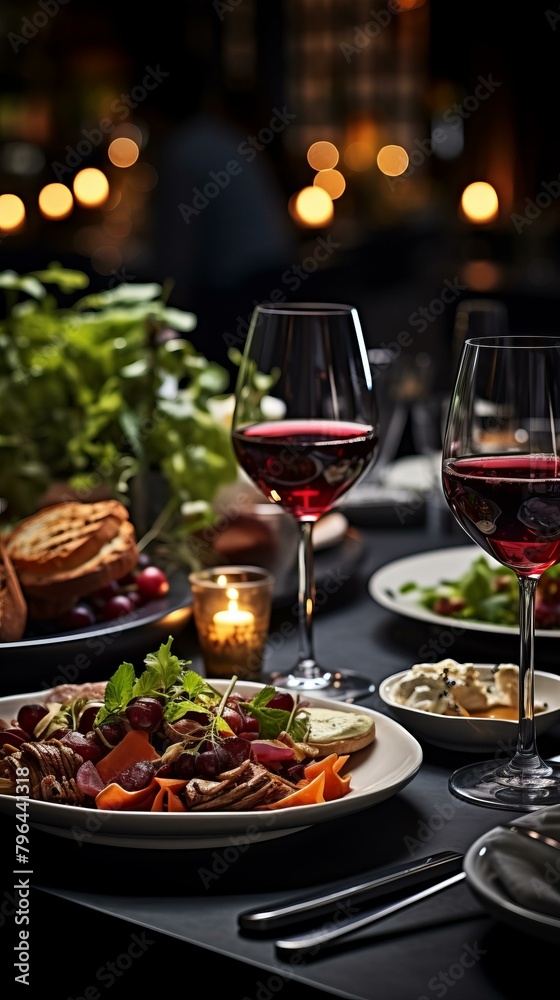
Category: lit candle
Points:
column 226, row 622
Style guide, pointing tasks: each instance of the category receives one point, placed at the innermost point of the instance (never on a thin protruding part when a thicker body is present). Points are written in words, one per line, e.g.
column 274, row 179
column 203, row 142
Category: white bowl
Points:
column 472, row 734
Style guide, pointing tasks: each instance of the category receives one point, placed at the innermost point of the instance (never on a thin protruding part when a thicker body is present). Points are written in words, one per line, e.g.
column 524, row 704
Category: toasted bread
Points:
column 51, row 595
column 62, row 537
column 13, row 606
column 337, row 731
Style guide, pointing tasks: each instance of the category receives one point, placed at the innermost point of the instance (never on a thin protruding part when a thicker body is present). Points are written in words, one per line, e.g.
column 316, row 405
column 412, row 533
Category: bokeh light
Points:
column 322, row 155
column 479, row 202
column 12, row 212
column 392, row 160
column 91, row 187
column 123, row 152
column 359, row 156
column 56, row 201
column 312, row 206
column 332, row 181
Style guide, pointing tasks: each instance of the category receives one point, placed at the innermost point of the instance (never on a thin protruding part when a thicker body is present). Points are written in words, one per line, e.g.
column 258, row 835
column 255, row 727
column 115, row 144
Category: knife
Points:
column 386, row 882
column 313, row 941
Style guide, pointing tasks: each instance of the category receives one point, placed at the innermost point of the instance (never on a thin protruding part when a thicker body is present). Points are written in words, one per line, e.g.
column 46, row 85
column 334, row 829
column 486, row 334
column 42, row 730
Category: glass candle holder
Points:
column 231, row 611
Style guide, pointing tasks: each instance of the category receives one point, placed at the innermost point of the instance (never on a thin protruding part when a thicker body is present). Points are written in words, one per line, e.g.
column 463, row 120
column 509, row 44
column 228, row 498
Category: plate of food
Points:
column 462, row 585
column 72, row 582
column 161, row 757
column 468, row 707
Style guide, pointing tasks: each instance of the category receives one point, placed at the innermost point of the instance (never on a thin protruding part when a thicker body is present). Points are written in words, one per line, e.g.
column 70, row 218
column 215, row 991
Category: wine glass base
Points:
column 342, row 685
column 479, row 784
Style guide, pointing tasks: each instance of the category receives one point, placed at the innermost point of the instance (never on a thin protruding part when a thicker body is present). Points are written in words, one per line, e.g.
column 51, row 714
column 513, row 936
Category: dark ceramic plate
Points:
column 94, row 652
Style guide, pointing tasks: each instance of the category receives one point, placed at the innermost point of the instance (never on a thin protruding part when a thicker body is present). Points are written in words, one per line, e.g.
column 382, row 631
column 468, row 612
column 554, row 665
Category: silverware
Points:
column 526, row 831
column 387, row 881
column 313, row 941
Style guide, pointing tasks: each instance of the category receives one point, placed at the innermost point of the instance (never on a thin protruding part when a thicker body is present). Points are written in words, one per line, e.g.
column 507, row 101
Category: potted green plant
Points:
column 103, row 395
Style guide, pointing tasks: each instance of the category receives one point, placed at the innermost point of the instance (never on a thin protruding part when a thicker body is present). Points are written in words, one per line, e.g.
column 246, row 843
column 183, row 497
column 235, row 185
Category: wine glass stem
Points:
column 306, row 666
column 526, row 757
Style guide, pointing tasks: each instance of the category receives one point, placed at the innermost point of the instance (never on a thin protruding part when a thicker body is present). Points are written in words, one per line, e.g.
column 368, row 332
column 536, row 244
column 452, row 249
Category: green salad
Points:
column 488, row 593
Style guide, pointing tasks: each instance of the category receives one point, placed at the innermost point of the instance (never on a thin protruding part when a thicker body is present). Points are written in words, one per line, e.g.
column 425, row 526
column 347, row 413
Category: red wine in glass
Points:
column 311, row 360
column 510, row 505
column 305, row 465
column 501, row 480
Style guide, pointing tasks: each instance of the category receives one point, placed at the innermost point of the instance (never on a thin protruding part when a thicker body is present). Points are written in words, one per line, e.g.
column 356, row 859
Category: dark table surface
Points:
column 103, row 916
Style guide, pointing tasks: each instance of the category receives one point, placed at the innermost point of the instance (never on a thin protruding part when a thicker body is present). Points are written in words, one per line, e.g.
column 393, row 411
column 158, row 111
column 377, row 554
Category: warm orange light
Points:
column 123, row 152
column 12, row 212
column 359, row 156
column 481, row 275
column 91, row 187
column 332, row 181
column 322, row 155
column 56, row 201
column 312, row 206
column 479, row 202
column 392, row 160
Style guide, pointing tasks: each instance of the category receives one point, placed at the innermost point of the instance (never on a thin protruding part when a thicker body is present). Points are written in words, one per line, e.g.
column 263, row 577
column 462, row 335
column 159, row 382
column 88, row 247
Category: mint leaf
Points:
column 177, row 709
column 272, row 721
column 299, row 728
column 118, row 692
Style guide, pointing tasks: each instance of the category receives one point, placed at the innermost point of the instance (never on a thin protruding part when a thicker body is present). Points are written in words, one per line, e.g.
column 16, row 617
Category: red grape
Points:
column 87, row 746
column 185, row 766
column 14, row 737
column 145, row 713
column 110, row 733
column 116, row 606
column 135, row 777
column 152, row 582
column 29, row 715
column 78, row 617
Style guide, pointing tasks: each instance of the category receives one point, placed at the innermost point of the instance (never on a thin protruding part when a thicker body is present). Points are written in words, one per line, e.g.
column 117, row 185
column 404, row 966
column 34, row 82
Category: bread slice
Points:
column 13, row 607
column 337, row 731
column 63, row 536
column 51, row 595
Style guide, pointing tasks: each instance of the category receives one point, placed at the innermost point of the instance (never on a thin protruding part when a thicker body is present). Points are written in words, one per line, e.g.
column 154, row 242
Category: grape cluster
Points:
column 120, row 597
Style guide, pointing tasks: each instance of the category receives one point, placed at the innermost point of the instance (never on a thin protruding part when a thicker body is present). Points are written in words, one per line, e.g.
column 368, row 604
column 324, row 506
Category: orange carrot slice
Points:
column 115, row 797
column 167, row 799
column 134, row 747
column 306, row 794
column 335, row 785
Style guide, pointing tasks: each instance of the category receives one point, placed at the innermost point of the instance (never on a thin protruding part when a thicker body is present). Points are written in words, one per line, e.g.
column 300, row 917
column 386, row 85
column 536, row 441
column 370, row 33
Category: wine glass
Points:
column 314, row 360
column 501, row 479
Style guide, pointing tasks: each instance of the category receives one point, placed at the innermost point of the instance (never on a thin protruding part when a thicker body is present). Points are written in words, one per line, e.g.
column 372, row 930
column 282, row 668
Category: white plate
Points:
column 473, row 735
column 482, row 879
column 378, row 772
column 428, row 569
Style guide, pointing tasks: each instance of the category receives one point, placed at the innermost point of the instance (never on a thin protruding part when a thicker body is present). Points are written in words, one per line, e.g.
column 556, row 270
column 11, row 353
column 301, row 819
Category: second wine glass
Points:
column 314, row 359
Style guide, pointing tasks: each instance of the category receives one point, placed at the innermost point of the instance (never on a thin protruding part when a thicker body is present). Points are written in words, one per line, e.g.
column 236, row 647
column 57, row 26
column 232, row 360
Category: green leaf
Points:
column 184, row 322
column 165, row 665
column 126, row 292
column 194, row 684
column 177, row 709
column 118, row 692
column 29, row 285
column 66, row 279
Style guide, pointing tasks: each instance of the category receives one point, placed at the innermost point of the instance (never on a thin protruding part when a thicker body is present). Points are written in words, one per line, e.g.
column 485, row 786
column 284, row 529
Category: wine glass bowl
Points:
column 501, row 480
column 311, row 358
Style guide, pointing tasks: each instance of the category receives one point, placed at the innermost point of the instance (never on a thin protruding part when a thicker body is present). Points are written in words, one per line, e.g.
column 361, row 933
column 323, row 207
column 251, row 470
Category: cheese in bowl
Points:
column 468, row 707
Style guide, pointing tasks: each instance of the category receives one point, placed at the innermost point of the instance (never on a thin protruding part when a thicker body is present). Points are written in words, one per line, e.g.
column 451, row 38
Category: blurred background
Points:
column 400, row 155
